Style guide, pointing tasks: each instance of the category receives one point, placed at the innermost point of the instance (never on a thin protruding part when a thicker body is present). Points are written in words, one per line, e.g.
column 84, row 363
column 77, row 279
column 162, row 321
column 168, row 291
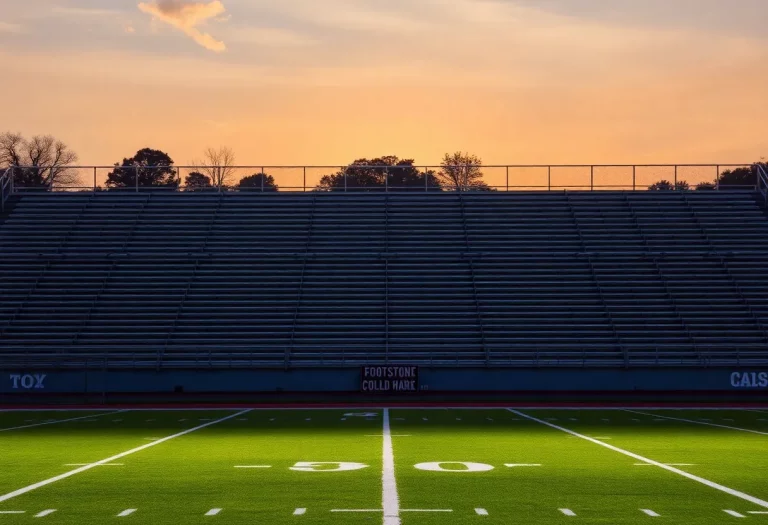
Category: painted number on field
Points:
column 454, row 466
column 327, row 466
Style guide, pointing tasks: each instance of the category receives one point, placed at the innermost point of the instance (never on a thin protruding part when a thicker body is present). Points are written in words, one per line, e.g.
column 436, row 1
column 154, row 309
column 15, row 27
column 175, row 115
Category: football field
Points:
column 384, row 466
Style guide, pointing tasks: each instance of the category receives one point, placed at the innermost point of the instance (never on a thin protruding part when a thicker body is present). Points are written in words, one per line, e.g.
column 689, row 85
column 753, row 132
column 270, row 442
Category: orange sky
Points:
column 297, row 82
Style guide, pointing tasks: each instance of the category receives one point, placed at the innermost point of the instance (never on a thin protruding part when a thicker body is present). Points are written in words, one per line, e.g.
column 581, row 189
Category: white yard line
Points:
column 61, row 421
column 126, row 512
column 734, row 514
column 711, row 484
column 112, row 459
column 390, row 501
column 356, row 510
column 101, row 465
column 650, row 513
column 45, row 513
column 668, row 464
column 426, row 510
column 698, row 422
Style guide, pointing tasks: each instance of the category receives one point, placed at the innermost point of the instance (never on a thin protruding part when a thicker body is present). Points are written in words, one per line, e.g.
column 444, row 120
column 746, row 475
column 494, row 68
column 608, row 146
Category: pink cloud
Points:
column 187, row 16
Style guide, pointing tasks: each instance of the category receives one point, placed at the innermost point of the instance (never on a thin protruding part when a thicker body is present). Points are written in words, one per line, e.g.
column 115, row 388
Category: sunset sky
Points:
column 327, row 81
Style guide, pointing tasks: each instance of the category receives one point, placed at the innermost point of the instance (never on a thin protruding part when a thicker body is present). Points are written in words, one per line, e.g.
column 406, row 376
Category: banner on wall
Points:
column 394, row 379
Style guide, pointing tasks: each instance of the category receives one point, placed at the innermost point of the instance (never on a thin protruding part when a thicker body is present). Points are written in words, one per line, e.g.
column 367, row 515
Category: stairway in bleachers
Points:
column 290, row 280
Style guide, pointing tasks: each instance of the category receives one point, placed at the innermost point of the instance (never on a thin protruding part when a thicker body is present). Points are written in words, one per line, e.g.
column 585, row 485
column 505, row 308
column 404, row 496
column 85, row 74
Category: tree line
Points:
column 43, row 162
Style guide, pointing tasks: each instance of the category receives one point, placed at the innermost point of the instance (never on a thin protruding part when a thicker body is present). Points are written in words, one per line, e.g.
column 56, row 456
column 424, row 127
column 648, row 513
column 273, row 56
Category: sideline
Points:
column 711, row 484
column 112, row 459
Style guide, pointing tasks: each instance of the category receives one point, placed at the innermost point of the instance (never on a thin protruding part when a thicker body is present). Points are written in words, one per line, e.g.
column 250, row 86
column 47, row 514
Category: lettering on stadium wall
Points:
column 28, row 381
column 395, row 379
column 749, row 380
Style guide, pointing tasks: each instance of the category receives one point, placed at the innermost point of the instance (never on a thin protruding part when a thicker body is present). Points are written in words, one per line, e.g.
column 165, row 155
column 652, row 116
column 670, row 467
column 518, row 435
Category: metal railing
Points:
column 6, row 188
column 386, row 178
column 762, row 181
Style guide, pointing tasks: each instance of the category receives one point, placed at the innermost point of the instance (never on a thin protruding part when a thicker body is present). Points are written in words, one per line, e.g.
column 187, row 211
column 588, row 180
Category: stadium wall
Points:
column 727, row 380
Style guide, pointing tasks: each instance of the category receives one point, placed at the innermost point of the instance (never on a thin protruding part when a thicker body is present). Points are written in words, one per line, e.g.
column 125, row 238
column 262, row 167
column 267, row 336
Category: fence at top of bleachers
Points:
column 762, row 182
column 386, row 178
column 6, row 188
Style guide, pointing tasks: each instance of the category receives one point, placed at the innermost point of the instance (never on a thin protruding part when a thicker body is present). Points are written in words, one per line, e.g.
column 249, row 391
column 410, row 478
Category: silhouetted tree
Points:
column 743, row 178
column 217, row 165
column 197, row 181
column 462, row 172
column 377, row 174
column 665, row 185
column 41, row 162
column 738, row 178
column 256, row 182
column 153, row 168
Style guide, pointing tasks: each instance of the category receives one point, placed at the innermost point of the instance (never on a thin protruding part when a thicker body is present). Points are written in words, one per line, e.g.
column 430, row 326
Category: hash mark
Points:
column 734, row 514
column 650, row 513
column 567, row 512
column 481, row 512
column 212, row 512
column 126, row 512
column 299, row 512
column 45, row 513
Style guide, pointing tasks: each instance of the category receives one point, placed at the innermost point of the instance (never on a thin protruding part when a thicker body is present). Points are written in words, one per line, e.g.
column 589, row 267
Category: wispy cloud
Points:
column 82, row 11
column 187, row 16
column 270, row 37
column 6, row 27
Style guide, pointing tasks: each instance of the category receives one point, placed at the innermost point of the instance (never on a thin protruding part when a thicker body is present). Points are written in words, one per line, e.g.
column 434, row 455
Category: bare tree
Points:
column 218, row 165
column 462, row 172
column 42, row 161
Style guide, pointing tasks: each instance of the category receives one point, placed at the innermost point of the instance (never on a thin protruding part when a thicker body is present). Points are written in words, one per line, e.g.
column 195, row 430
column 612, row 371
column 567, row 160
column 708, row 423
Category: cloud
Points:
column 187, row 16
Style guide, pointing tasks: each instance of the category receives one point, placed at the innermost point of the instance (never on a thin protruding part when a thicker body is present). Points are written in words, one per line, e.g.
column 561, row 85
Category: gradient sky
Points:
column 327, row 81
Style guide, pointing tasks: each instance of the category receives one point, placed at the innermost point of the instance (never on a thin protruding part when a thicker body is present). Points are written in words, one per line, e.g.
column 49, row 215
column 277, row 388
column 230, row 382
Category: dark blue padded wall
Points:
column 598, row 279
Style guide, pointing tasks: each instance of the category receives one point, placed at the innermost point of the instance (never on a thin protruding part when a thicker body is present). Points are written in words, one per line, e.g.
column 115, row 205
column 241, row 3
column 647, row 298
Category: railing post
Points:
column 263, row 176
column 136, row 168
column 345, row 179
column 386, row 180
column 305, row 179
column 634, row 178
column 507, row 178
column 549, row 178
column 717, row 178
column 675, row 186
column 591, row 178
column 94, row 178
column 426, row 179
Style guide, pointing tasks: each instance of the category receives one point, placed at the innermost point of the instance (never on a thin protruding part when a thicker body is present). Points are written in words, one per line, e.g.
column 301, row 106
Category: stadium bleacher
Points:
column 526, row 279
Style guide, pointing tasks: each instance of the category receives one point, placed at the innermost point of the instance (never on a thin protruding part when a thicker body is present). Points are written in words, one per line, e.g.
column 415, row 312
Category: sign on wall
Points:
column 749, row 380
column 27, row 381
column 394, row 379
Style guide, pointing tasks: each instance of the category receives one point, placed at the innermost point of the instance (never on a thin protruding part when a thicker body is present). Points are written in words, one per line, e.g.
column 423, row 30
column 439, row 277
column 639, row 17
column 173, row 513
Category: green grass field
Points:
column 396, row 466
